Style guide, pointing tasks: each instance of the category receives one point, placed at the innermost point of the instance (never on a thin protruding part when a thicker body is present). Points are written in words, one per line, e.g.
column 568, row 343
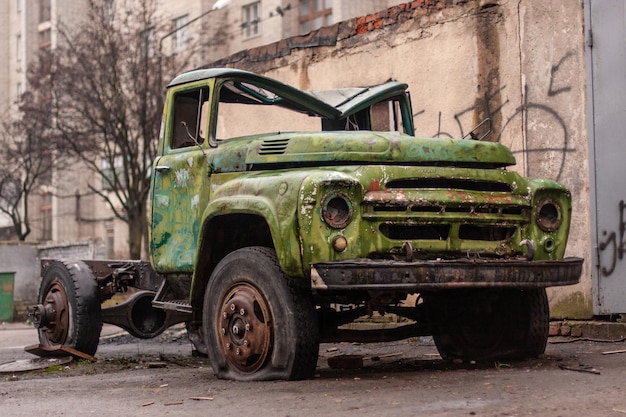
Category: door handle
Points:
column 162, row 168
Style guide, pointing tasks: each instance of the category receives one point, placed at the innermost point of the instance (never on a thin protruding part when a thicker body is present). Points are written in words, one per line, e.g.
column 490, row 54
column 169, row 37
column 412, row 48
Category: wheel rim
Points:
column 57, row 313
column 244, row 327
column 481, row 338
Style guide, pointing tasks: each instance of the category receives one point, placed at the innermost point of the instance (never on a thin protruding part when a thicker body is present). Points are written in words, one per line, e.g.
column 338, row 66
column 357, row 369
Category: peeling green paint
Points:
column 441, row 198
column 178, row 198
column 182, row 178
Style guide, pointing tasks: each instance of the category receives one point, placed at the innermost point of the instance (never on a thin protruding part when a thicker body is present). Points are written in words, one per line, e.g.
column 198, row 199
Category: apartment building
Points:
column 63, row 209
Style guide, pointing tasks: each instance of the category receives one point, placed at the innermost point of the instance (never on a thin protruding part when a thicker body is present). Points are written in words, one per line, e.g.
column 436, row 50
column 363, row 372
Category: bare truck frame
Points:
column 278, row 216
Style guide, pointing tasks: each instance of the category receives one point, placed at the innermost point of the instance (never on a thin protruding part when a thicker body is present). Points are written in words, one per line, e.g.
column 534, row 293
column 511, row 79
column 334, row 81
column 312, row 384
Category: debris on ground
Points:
column 345, row 362
column 580, row 368
column 611, row 352
column 58, row 351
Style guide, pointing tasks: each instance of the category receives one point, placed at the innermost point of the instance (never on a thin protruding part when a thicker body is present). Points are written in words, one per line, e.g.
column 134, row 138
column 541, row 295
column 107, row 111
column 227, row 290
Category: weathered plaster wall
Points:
column 21, row 259
column 555, row 140
column 521, row 63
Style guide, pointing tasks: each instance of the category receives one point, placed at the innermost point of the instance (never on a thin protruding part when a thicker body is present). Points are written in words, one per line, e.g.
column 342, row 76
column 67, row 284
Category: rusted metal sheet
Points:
column 444, row 274
column 58, row 351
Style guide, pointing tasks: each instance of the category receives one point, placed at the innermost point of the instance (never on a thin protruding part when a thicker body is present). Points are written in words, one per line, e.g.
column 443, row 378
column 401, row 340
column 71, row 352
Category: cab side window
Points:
column 190, row 118
column 387, row 116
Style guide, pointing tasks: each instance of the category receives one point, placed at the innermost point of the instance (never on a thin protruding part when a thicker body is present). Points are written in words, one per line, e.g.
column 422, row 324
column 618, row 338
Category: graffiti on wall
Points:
column 611, row 248
column 546, row 152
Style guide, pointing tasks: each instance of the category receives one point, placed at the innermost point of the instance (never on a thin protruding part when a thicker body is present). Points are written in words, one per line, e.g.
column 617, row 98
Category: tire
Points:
column 259, row 324
column 69, row 299
column 488, row 325
column 538, row 327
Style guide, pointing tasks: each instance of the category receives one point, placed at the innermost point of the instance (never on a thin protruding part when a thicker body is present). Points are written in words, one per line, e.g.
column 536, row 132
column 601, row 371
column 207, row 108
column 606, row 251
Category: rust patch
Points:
column 488, row 100
column 58, row 351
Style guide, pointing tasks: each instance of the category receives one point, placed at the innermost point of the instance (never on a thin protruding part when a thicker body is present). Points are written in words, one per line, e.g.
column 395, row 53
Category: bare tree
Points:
column 106, row 98
column 28, row 158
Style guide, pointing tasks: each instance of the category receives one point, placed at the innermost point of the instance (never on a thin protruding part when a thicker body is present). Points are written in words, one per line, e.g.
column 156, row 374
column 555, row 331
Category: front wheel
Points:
column 258, row 323
column 487, row 325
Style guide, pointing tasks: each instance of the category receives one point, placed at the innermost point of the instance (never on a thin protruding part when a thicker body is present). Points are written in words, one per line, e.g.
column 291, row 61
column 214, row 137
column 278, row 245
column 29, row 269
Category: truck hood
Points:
column 362, row 147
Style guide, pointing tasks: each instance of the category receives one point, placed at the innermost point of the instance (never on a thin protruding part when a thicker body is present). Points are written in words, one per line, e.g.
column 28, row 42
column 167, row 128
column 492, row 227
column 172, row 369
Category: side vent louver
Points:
column 273, row 146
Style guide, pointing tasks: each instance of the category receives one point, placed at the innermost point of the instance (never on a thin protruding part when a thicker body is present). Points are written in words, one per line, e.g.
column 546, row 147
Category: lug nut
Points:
column 224, row 315
column 248, row 327
column 238, row 351
column 246, row 343
column 242, row 312
column 223, row 331
column 228, row 346
column 233, row 307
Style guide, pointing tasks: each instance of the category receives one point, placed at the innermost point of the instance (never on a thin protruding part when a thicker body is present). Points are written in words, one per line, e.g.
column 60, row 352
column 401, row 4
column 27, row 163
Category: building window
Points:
column 250, row 20
column 45, row 39
column 147, row 37
column 314, row 14
column 110, row 240
column 46, row 175
column 113, row 177
column 44, row 11
column 180, row 38
column 18, row 47
column 108, row 11
column 46, row 216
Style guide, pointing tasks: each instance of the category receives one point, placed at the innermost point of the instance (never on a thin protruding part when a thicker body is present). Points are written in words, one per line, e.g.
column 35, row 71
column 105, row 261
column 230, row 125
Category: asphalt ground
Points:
column 160, row 376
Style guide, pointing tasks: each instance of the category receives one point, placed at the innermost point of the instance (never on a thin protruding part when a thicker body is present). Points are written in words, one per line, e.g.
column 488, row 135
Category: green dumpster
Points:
column 6, row 295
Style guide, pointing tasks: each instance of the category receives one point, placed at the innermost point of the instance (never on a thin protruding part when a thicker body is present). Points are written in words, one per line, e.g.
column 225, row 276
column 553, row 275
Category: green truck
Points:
column 280, row 216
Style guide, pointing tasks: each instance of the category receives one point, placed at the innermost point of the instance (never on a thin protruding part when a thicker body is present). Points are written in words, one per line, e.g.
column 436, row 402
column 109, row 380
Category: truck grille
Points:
column 450, row 183
column 516, row 211
column 447, row 210
column 442, row 232
column 410, row 232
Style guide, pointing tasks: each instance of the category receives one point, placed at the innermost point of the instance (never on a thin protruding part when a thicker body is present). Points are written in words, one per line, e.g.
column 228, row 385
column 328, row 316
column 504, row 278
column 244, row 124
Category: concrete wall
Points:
column 23, row 259
column 69, row 250
column 519, row 63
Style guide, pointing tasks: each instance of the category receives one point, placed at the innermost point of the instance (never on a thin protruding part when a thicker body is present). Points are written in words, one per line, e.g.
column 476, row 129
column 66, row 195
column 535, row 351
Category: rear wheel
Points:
column 486, row 325
column 69, row 311
column 258, row 323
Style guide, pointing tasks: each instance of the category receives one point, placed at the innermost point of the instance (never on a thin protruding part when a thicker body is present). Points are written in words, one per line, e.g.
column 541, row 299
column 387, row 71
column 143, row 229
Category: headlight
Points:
column 336, row 210
column 548, row 215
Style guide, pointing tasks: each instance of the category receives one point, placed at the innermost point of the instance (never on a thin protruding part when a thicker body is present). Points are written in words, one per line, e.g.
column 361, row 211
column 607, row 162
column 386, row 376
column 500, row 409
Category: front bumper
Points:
column 382, row 275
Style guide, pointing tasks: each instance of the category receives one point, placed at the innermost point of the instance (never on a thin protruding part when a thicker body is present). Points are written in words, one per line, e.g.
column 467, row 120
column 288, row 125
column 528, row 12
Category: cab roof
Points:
column 332, row 104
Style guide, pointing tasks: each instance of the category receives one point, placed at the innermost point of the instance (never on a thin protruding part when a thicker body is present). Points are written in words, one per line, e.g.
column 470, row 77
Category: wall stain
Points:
column 488, row 101
column 574, row 306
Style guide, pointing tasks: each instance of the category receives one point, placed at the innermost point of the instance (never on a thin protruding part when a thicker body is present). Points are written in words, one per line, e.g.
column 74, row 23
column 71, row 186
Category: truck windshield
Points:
column 246, row 109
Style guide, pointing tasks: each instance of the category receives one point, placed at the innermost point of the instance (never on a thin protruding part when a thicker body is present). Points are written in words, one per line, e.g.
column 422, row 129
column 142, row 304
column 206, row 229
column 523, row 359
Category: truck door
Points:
column 179, row 176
